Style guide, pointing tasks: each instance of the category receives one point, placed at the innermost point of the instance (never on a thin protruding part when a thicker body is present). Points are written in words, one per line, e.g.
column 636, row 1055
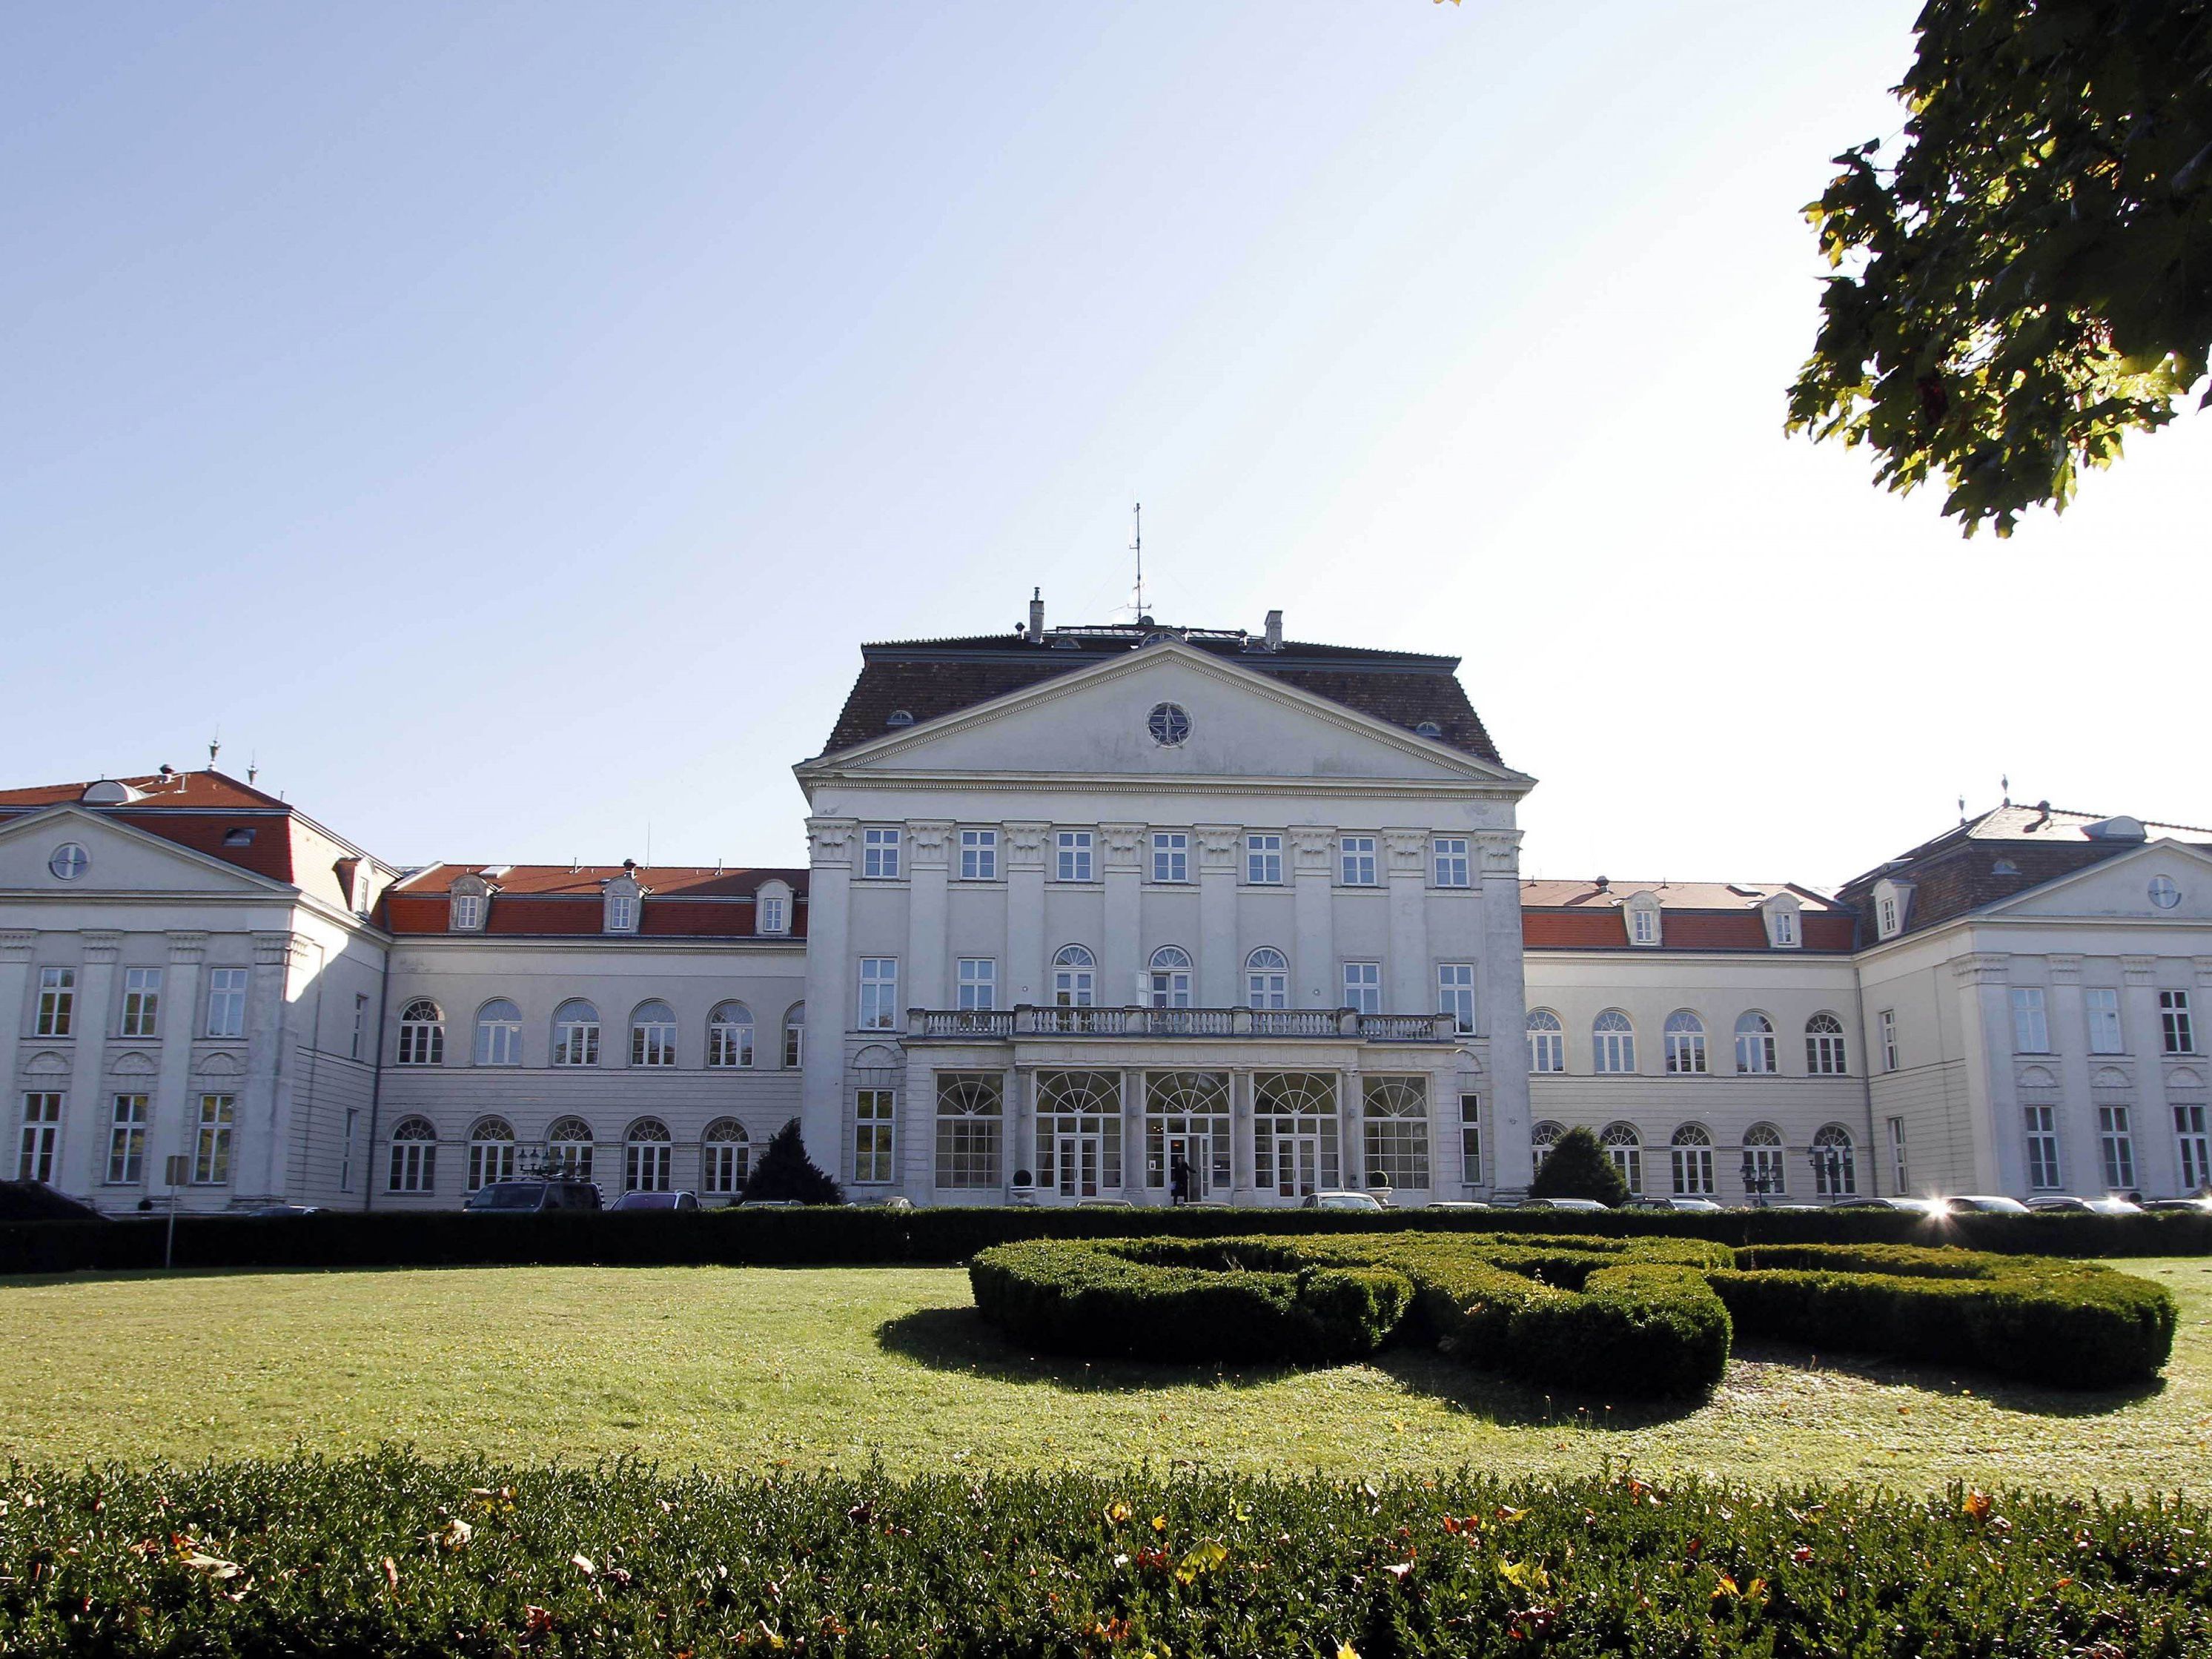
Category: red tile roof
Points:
column 181, row 791
column 192, row 809
column 541, row 900
column 1671, row 895
column 1695, row 915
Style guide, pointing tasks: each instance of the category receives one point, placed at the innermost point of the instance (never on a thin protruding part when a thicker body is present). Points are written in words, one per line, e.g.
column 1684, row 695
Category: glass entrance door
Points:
column 1079, row 1160
column 1298, row 1164
column 1190, row 1162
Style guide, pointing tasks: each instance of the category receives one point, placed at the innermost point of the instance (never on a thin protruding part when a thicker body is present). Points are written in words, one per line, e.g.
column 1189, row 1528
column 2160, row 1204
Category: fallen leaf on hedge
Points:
column 392, row 1572
column 1116, row 1513
column 1398, row 1569
column 1159, row 1523
column 1511, row 1515
column 1346, row 1650
column 1802, row 1554
column 1524, row 1575
column 1204, row 1557
column 1977, row 1505
column 582, row 1563
column 214, row 1565
column 457, row 1535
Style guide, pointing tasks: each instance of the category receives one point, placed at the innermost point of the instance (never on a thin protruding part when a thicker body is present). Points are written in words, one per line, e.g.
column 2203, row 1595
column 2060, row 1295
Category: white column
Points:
column 84, row 1156
column 255, row 1157
column 922, row 976
column 830, row 995
column 1220, row 962
column 2151, row 1118
column 1241, row 1156
column 1314, row 980
column 1986, row 1034
column 174, row 1106
column 2080, row 1160
column 15, row 1021
column 1021, row 1122
column 918, row 1121
column 1133, row 1136
column 1351, row 1116
column 1121, row 950
column 1501, row 1017
column 1026, row 980
column 1412, row 985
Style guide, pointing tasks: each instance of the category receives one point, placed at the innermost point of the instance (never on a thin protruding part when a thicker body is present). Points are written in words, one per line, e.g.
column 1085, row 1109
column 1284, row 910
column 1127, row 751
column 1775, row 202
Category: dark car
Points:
column 531, row 1197
column 656, row 1201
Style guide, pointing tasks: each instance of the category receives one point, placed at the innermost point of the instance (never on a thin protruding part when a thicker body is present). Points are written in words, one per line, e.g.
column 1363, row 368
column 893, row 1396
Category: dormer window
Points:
column 467, row 901
column 772, row 909
column 1642, row 911
column 241, row 836
column 1892, row 901
column 1784, row 927
column 623, row 895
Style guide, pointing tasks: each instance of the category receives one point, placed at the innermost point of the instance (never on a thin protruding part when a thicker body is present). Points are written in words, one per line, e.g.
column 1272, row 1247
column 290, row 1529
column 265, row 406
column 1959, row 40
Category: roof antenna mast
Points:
column 1137, row 547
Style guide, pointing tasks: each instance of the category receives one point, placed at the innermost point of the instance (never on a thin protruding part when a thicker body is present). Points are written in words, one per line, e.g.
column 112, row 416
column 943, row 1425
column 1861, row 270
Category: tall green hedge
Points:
column 836, row 1235
column 1622, row 1317
column 390, row 1555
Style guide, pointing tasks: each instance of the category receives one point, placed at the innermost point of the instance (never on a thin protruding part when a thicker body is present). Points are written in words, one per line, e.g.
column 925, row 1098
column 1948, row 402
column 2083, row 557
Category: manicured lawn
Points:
column 758, row 1368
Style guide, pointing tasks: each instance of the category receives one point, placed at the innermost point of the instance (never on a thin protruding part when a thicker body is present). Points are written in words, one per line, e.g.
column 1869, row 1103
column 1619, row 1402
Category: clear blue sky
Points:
column 505, row 419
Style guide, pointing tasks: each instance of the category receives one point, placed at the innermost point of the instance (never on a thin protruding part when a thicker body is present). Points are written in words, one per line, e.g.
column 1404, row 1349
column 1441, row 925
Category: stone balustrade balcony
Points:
column 1335, row 1025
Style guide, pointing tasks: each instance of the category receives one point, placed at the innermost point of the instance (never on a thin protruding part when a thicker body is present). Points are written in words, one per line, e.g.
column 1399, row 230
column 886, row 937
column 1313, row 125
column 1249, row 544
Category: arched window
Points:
column 499, row 1034
column 1625, row 1148
column 414, row 1155
column 492, row 1153
column 1763, row 1171
column 1693, row 1152
column 647, row 1157
column 1171, row 977
column 1187, row 1120
column 1074, row 977
column 1266, row 979
column 730, row 1035
column 1541, row 1138
column 1824, row 1046
column 1835, row 1163
column 726, row 1158
column 1547, row 1042
column 969, row 1108
column 568, row 1149
column 1396, row 1113
column 576, row 1033
column 653, row 1035
column 1685, row 1043
column 1614, row 1040
column 1294, row 1132
column 1078, row 1133
column 794, row 1037
column 1754, row 1044
column 421, row 1033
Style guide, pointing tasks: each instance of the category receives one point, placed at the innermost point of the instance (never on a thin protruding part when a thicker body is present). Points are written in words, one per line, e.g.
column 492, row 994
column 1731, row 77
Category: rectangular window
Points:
column 772, row 917
column 1356, row 860
column 1263, row 860
column 1785, row 927
column 1898, row 1172
column 2190, row 1139
column 2031, row 1027
column 1692, row 1169
column 1074, row 855
column 142, row 1002
column 1362, row 987
column 1470, row 1139
column 794, row 1045
column 2176, row 1033
column 360, row 1024
column 1170, row 856
column 57, row 1001
column 1456, row 995
column 979, row 984
column 880, row 853
column 875, row 1114
column 1447, row 857
column 226, row 1007
column 979, row 855
column 878, row 993
column 622, row 913
column 2042, row 1147
column 651, row 1039
column 729, row 1039
column 126, row 1140
column 42, row 1130
column 2118, row 1146
column 1547, row 1043
column 2101, row 1004
column 345, row 1150
column 1643, row 925
column 1887, row 1020
column 211, row 1140
column 467, row 912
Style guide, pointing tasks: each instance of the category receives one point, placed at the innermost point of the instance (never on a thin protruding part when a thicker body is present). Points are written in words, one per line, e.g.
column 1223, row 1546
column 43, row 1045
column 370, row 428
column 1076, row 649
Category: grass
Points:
column 832, row 1368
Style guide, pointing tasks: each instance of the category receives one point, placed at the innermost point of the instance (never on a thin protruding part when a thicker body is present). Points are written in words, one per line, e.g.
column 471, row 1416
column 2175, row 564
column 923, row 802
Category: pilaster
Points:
column 1026, row 977
column 829, row 997
column 2077, row 1118
column 1500, row 1012
column 922, row 976
column 1219, row 961
column 1314, row 981
column 2150, row 1123
column 1992, row 1105
column 82, row 1154
column 181, row 1002
column 1121, row 872
column 1411, row 989
column 264, row 1104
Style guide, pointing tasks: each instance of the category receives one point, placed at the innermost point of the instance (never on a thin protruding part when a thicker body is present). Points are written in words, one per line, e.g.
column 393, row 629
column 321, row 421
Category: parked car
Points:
column 1932, row 1208
column 675, row 1200
column 2065, row 1206
column 272, row 1211
column 1578, row 1205
column 2196, row 1206
column 1342, row 1200
column 1459, row 1204
column 1985, row 1203
column 1703, row 1205
column 768, row 1204
column 531, row 1197
column 897, row 1202
column 1103, row 1204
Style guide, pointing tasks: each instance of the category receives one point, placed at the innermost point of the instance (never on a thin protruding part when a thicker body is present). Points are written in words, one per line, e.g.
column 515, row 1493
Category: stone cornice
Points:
column 1983, row 967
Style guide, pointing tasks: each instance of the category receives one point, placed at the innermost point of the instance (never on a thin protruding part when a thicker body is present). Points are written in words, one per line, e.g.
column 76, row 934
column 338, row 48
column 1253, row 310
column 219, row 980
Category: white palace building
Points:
column 1082, row 903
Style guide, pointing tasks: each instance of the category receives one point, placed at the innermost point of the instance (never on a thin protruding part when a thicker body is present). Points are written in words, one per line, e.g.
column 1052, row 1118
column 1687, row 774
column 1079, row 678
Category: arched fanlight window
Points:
column 1542, row 1138
column 1824, row 1046
column 576, row 1033
column 568, row 1145
column 1625, row 1148
column 1396, row 1116
column 1691, row 1152
column 1763, row 1172
column 1074, row 977
column 1266, row 979
column 1171, row 977
column 1685, row 1043
column 1547, row 1042
column 1835, row 1163
column 970, row 1107
column 730, row 1035
column 653, row 1035
column 726, row 1158
column 492, row 1153
column 421, row 1033
column 413, row 1156
column 1613, row 1039
column 1754, row 1044
column 647, row 1157
column 794, row 1037
column 499, row 1034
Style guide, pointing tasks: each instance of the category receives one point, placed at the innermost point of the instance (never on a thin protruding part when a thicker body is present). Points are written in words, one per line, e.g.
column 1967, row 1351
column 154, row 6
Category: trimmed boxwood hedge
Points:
column 1623, row 1316
column 391, row 1555
column 839, row 1235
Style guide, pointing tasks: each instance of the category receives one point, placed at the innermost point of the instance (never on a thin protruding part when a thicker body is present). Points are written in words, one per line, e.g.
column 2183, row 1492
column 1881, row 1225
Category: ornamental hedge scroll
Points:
column 1608, row 1315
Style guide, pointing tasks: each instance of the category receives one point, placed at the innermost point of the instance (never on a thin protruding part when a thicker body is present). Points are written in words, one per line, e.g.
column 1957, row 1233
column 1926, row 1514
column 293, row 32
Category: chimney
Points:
column 1274, row 630
column 1037, row 616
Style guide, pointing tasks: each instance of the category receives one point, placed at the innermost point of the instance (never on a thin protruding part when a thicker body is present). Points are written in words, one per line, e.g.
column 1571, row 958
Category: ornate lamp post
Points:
column 1827, row 1170
column 1759, row 1181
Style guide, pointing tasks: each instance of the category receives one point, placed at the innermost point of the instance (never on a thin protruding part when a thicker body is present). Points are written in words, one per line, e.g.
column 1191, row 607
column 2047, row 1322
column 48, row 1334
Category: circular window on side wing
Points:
column 69, row 861
column 1169, row 723
column 2163, row 893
